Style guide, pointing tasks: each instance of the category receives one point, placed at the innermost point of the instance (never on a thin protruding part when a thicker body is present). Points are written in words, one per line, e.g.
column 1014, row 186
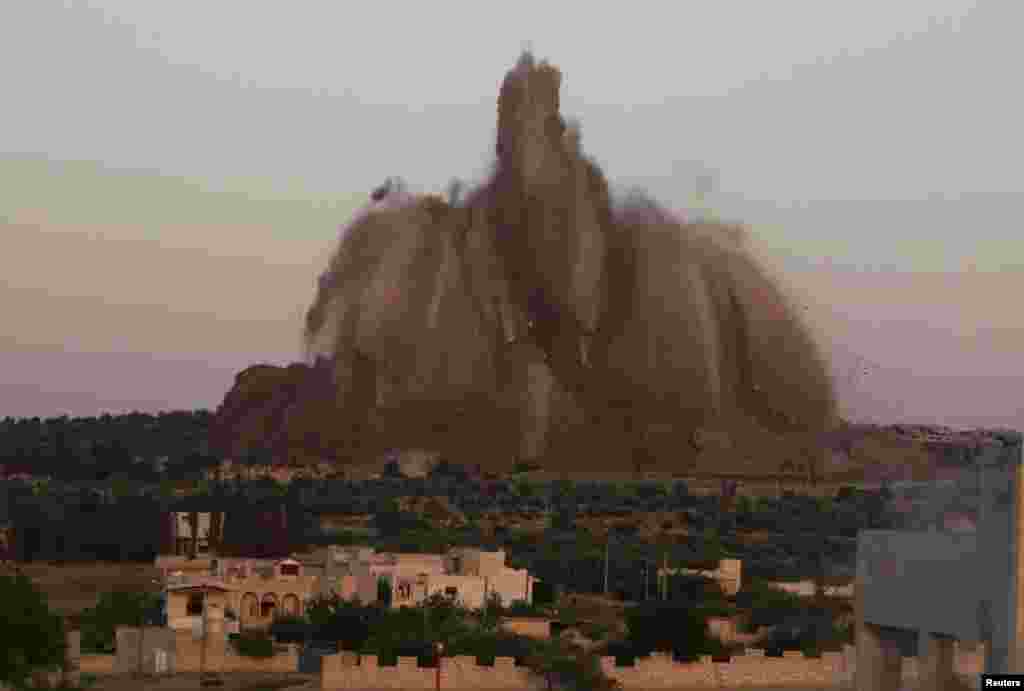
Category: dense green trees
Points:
column 123, row 515
column 135, row 445
column 99, row 624
column 415, row 631
column 678, row 628
column 78, row 524
column 31, row 636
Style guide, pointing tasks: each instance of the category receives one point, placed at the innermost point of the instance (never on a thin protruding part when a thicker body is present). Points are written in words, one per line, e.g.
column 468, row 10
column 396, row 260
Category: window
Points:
column 194, row 608
column 251, row 605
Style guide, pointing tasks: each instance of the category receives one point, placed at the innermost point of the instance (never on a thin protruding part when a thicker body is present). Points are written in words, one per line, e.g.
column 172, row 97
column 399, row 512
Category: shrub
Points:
column 570, row 669
column 679, row 629
column 521, row 608
column 622, row 651
column 349, row 624
column 596, row 631
column 116, row 608
column 767, row 605
column 255, row 644
column 290, row 629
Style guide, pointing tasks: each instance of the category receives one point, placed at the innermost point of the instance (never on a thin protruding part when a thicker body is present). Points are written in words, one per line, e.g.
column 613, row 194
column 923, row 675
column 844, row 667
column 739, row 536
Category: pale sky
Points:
column 172, row 174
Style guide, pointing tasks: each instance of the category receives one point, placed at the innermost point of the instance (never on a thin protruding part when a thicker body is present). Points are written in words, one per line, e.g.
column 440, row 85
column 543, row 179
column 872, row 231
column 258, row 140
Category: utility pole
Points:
column 202, row 640
column 607, row 541
column 663, row 581
column 142, row 631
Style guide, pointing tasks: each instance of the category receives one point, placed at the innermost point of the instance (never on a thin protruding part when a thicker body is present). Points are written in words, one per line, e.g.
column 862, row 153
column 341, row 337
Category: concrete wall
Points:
column 221, row 657
column 154, row 639
column 97, row 664
column 751, row 670
column 184, row 654
column 906, row 573
column 976, row 576
column 366, row 583
column 421, row 563
column 511, row 585
column 456, row 672
column 492, row 563
column 468, row 561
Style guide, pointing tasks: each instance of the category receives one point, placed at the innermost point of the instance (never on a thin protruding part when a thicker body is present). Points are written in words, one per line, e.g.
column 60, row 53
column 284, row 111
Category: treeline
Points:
column 136, row 446
column 808, row 537
column 66, row 523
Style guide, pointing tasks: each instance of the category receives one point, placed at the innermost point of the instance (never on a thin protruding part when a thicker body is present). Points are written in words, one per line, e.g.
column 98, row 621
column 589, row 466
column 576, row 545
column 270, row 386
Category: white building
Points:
column 468, row 576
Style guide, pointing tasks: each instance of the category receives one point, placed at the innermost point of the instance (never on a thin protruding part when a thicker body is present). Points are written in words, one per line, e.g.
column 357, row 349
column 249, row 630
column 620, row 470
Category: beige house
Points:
column 264, row 589
column 251, row 592
column 469, row 576
column 189, row 599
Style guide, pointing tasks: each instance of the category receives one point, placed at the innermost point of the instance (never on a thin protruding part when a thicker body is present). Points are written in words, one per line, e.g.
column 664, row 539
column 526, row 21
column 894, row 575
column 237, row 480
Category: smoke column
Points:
column 650, row 332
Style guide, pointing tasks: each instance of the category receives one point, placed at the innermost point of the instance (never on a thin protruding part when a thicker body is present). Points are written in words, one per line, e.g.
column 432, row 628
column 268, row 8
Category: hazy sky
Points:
column 172, row 175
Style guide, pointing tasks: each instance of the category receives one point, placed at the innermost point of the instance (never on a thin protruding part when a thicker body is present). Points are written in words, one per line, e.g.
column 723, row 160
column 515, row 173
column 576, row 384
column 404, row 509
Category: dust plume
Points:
column 536, row 317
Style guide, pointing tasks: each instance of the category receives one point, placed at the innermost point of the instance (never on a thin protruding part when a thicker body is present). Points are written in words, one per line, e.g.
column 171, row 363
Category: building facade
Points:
column 468, row 576
column 251, row 593
column 976, row 575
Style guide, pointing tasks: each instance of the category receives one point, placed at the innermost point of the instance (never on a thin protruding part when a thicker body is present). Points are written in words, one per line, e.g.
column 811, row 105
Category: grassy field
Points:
column 70, row 588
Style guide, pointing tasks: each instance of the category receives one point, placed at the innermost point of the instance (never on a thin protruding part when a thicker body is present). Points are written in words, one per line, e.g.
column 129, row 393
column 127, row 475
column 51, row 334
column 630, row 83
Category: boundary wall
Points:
column 751, row 670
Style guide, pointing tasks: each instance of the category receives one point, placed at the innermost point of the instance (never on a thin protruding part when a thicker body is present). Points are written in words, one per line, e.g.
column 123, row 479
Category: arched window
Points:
column 290, row 605
column 268, row 607
column 250, row 605
column 194, row 608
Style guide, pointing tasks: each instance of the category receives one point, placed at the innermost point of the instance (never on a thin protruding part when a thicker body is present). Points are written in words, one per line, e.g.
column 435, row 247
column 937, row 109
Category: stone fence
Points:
column 166, row 651
column 751, row 670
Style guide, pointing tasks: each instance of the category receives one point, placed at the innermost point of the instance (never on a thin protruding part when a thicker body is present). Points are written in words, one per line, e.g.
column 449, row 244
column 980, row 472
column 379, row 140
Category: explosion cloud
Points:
column 539, row 319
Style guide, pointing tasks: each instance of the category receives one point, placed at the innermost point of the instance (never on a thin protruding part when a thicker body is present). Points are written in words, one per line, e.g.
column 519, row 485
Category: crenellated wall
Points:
column 752, row 670
column 459, row 672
